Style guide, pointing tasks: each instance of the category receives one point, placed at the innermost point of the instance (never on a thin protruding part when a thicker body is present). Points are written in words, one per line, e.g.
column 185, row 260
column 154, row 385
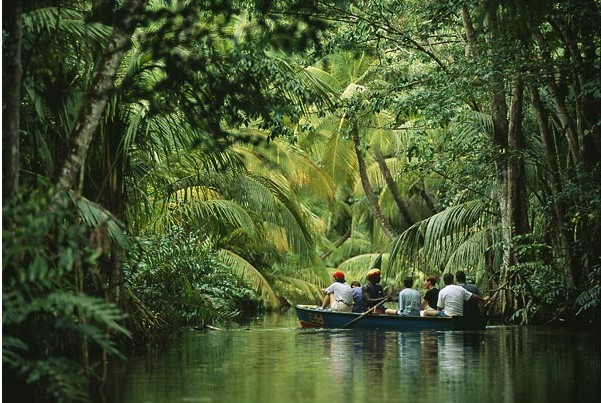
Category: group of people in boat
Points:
column 460, row 299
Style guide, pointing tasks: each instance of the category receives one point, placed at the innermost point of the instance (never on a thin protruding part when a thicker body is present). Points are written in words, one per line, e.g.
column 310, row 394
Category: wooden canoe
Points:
column 311, row 317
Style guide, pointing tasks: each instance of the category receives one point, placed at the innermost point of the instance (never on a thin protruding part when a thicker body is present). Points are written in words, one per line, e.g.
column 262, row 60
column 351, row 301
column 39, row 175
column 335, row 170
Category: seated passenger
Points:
column 373, row 292
column 451, row 299
column 358, row 304
column 409, row 300
column 431, row 295
column 471, row 308
column 338, row 296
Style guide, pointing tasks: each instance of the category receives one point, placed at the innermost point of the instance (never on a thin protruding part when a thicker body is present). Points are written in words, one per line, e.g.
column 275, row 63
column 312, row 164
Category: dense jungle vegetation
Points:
column 185, row 163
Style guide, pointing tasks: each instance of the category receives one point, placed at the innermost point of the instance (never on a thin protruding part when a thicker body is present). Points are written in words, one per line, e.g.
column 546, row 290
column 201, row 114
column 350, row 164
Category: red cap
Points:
column 338, row 275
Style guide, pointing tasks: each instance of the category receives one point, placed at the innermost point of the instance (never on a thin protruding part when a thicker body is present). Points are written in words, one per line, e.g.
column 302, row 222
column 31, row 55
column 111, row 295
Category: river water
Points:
column 273, row 360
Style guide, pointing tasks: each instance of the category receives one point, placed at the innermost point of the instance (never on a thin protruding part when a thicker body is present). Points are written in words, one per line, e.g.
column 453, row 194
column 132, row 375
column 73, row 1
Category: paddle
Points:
column 370, row 310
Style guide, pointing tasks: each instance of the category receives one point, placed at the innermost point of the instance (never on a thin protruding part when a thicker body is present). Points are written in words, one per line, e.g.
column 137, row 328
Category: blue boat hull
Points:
column 311, row 317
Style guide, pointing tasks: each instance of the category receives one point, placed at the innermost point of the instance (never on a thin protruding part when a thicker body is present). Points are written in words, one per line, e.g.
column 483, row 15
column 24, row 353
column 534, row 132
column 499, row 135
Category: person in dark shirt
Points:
column 471, row 308
column 431, row 295
column 373, row 293
column 359, row 304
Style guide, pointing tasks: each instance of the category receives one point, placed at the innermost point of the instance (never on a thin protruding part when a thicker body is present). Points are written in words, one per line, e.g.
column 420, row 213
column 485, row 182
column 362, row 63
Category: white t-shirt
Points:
column 451, row 299
column 341, row 291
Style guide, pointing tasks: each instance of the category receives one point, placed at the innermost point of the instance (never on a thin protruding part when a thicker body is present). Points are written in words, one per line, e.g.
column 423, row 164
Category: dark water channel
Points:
column 273, row 360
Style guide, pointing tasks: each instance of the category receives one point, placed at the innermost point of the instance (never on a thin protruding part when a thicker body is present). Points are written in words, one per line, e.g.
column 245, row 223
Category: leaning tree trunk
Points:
column 394, row 190
column 369, row 193
column 11, row 95
column 554, row 180
column 97, row 97
column 336, row 244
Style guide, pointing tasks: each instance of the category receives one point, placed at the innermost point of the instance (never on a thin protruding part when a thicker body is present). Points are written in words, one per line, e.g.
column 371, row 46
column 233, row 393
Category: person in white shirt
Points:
column 451, row 298
column 339, row 295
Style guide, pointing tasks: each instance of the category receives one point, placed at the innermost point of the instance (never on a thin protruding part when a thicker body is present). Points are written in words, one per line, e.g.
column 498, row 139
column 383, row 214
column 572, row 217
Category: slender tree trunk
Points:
column 518, row 196
column 369, row 193
column 102, row 84
column 471, row 51
column 507, row 303
column 394, row 190
column 555, row 185
column 427, row 198
column 337, row 244
column 584, row 136
column 11, row 96
column 470, row 33
column 113, row 201
column 561, row 110
column 582, row 51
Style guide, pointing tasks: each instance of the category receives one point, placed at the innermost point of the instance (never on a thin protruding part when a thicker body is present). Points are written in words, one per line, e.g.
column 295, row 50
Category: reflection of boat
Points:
column 310, row 316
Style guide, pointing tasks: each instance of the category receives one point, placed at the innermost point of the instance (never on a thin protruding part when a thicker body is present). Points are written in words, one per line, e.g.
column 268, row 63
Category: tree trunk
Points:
column 113, row 201
column 583, row 60
column 507, row 303
column 470, row 33
column 561, row 110
column 11, row 95
column 394, row 190
column 102, row 84
column 554, row 181
column 369, row 193
column 518, row 195
column 337, row 244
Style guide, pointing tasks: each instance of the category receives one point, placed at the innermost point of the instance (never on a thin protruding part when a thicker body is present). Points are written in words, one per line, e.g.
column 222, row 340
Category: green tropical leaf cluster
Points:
column 53, row 327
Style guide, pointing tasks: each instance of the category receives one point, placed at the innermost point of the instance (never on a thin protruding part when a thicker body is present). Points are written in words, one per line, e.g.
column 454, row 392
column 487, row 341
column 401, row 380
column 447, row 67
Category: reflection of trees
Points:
column 429, row 354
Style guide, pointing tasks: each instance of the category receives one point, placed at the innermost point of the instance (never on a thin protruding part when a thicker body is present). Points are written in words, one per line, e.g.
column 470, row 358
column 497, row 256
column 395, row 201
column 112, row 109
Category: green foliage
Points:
column 456, row 237
column 45, row 252
column 589, row 301
column 178, row 276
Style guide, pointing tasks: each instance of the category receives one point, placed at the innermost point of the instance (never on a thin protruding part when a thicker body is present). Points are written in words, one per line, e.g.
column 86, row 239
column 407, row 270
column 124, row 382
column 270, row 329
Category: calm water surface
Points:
column 274, row 361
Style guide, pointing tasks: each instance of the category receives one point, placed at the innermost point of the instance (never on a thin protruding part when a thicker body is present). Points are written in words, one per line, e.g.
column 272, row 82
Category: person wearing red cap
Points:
column 338, row 296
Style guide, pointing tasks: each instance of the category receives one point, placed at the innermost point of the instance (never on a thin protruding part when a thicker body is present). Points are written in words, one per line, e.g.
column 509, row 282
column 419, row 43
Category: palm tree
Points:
column 360, row 152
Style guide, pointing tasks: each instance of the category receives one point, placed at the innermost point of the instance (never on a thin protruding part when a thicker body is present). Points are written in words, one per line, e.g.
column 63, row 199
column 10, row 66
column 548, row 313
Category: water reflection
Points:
column 288, row 364
column 394, row 361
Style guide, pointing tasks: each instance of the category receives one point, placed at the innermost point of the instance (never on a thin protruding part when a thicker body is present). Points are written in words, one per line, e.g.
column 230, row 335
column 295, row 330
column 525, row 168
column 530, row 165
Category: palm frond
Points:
column 298, row 290
column 357, row 267
column 94, row 215
column 49, row 20
column 246, row 271
column 205, row 214
column 436, row 238
column 291, row 218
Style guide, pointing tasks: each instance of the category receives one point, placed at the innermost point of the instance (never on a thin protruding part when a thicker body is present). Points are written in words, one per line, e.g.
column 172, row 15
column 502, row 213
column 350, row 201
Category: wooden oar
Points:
column 370, row 310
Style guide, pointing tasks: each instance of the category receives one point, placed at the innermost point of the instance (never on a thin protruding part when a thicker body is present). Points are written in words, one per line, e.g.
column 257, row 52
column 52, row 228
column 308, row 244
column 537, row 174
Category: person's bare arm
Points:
column 369, row 300
column 477, row 297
